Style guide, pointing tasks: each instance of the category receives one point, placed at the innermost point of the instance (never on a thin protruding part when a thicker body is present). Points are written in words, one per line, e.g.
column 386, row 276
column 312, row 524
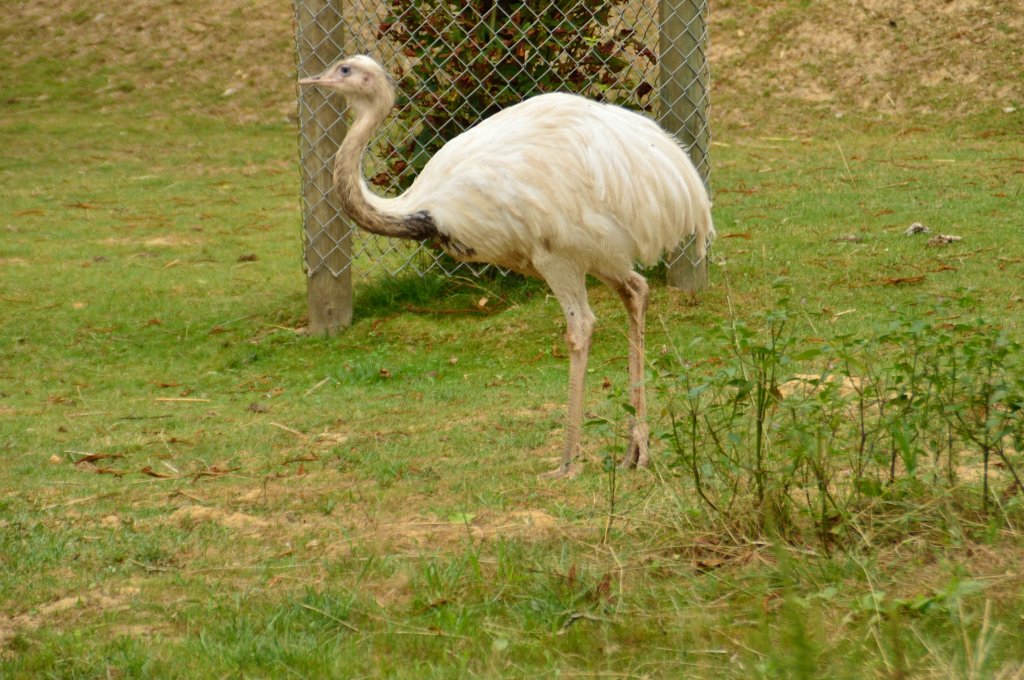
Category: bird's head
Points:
column 359, row 79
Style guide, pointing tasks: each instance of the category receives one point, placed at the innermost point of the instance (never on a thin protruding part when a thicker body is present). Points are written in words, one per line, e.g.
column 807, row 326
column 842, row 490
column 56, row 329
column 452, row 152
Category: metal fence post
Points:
column 684, row 80
column 327, row 248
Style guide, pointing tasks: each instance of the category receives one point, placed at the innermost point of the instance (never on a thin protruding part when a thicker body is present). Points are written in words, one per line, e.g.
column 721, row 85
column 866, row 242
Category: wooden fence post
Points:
column 327, row 242
column 684, row 83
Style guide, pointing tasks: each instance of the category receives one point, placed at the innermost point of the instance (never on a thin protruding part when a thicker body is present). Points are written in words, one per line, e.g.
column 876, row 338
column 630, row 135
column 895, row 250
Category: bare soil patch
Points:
column 886, row 56
column 419, row 532
column 72, row 606
column 236, row 521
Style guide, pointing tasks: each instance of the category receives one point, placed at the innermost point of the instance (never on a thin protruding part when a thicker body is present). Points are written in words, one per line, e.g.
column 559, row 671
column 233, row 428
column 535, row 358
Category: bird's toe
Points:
column 562, row 472
column 637, row 453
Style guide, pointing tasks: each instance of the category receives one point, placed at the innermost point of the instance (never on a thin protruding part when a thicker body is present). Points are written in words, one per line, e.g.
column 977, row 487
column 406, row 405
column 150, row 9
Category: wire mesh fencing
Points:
column 455, row 63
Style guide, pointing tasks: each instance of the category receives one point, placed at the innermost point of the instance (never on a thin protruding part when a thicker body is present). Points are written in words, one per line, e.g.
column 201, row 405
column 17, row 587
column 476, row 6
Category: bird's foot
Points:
column 638, row 452
column 562, row 472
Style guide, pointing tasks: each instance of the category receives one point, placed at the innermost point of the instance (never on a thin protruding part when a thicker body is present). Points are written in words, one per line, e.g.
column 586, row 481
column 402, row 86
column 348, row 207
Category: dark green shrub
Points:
column 468, row 60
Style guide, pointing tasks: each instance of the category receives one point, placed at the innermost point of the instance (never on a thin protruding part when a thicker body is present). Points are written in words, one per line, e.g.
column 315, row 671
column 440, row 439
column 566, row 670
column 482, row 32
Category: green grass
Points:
column 267, row 504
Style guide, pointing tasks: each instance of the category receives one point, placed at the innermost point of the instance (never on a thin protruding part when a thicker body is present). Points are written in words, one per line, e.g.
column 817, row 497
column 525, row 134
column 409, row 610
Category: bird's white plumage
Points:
column 594, row 182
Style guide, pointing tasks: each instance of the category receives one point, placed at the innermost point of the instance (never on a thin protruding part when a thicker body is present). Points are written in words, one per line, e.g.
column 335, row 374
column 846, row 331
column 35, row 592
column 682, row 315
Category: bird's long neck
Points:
column 375, row 214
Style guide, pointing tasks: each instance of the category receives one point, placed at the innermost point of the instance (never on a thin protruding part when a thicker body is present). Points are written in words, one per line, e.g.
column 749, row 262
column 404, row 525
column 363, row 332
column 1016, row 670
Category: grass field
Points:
column 191, row 488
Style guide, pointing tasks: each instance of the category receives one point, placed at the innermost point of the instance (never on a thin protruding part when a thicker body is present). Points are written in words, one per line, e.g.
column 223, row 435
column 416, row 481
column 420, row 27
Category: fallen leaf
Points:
column 482, row 302
column 153, row 473
column 248, row 258
column 384, row 373
column 903, row 280
column 603, row 591
column 93, row 457
column 944, row 240
column 709, row 563
column 55, row 459
column 214, row 471
column 916, row 228
column 309, row 457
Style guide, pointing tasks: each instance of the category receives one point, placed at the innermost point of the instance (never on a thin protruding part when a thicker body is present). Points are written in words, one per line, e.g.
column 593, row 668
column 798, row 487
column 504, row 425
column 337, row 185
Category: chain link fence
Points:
column 455, row 63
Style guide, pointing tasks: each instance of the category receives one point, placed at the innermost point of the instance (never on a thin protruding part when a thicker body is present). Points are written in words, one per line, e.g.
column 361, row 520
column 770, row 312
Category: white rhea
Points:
column 558, row 187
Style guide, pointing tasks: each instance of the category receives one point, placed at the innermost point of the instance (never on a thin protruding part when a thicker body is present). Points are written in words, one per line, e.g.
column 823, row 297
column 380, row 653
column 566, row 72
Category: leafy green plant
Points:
column 829, row 430
column 470, row 60
column 982, row 398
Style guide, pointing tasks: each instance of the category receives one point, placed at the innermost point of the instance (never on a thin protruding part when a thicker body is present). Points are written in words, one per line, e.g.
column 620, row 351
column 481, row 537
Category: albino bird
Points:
column 557, row 187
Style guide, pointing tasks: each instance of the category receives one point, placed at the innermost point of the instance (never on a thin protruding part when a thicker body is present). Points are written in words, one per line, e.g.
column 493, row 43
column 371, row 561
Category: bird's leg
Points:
column 578, row 341
column 572, row 295
column 635, row 293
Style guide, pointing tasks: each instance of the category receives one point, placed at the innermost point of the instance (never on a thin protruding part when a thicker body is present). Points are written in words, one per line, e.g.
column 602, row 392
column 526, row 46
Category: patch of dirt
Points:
column 168, row 241
column 543, row 411
column 419, row 532
column 348, row 525
column 392, row 592
column 889, row 56
column 886, row 56
column 808, row 384
column 236, row 521
column 240, row 53
column 68, row 607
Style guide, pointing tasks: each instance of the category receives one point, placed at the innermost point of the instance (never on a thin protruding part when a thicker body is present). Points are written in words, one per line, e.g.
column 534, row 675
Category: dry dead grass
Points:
column 885, row 56
column 84, row 606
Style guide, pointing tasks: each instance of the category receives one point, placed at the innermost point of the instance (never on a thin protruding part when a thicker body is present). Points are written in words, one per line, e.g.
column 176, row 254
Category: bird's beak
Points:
column 317, row 79
column 312, row 80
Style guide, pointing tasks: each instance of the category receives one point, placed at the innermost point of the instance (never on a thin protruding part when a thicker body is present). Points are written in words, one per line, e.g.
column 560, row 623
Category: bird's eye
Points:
column 345, row 70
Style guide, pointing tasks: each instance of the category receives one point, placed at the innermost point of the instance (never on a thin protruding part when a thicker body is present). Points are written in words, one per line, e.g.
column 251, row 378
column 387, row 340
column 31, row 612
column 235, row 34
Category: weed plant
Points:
column 785, row 435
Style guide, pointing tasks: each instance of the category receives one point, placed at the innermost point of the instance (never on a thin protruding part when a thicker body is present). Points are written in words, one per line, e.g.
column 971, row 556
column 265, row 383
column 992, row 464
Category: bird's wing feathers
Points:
column 562, row 172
